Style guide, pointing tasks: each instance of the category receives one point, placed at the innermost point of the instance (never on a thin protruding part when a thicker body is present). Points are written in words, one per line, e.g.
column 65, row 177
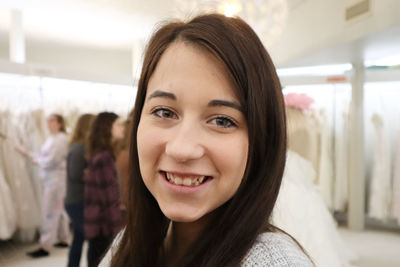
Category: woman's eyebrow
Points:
column 216, row 103
column 162, row 94
column 212, row 103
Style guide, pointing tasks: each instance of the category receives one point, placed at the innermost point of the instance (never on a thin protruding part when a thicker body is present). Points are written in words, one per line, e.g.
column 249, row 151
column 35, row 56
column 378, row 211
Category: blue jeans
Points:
column 75, row 212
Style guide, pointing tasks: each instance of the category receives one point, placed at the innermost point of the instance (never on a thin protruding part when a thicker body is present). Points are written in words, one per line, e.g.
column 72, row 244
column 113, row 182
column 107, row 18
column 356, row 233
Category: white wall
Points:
column 85, row 63
column 318, row 25
column 85, row 59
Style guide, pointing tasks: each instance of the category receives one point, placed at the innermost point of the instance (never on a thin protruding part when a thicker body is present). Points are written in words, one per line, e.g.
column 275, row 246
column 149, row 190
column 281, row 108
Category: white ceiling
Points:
column 113, row 24
column 99, row 23
column 374, row 47
column 117, row 24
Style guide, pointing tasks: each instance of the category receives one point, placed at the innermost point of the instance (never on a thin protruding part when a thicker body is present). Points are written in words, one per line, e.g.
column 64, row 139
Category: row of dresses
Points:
column 18, row 176
column 395, row 211
column 310, row 134
column 25, row 101
column 8, row 217
column 313, row 182
column 384, row 186
column 21, row 189
column 326, row 145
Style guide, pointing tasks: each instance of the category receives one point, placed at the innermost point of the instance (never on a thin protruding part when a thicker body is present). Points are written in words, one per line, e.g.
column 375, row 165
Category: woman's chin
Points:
column 182, row 216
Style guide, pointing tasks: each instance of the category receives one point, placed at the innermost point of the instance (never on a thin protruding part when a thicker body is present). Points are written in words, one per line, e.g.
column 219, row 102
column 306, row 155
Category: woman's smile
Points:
column 185, row 179
column 184, row 185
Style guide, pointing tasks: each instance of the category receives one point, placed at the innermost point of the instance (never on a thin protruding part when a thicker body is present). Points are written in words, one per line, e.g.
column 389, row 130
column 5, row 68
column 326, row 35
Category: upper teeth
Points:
column 185, row 180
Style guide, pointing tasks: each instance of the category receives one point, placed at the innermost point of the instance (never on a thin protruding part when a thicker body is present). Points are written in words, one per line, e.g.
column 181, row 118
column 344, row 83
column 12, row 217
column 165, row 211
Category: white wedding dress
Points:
column 341, row 181
column 301, row 212
column 380, row 187
column 395, row 212
column 8, row 219
column 17, row 177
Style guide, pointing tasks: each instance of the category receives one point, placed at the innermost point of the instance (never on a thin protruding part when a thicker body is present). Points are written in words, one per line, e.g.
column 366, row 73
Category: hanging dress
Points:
column 325, row 174
column 17, row 177
column 8, row 219
column 341, row 183
column 395, row 209
column 301, row 212
column 380, row 186
column 304, row 136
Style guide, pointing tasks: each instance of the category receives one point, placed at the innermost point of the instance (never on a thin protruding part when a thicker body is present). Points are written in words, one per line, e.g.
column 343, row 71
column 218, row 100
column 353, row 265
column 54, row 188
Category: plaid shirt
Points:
column 102, row 197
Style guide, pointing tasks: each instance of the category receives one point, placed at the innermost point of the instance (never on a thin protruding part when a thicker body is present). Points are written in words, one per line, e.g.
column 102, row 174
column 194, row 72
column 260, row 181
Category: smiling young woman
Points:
column 192, row 137
column 208, row 152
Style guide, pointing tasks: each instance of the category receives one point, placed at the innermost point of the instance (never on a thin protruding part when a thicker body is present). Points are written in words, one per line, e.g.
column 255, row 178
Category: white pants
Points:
column 54, row 217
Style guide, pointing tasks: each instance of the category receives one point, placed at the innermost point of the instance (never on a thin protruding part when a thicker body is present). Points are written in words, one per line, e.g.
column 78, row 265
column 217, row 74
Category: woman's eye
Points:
column 223, row 122
column 164, row 113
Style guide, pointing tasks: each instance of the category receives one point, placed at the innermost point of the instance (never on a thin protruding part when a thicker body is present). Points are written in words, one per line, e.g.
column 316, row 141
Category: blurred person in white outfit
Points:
column 52, row 163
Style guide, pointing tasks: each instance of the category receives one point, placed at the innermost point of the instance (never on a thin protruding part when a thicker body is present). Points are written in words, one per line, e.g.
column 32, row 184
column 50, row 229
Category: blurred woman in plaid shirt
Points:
column 103, row 219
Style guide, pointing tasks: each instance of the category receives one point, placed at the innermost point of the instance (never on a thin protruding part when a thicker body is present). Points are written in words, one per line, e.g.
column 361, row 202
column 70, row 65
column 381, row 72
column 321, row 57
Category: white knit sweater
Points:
column 276, row 250
column 270, row 250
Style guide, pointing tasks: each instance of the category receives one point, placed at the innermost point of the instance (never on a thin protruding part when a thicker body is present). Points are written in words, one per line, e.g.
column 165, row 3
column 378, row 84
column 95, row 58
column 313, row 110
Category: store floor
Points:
column 15, row 256
column 375, row 249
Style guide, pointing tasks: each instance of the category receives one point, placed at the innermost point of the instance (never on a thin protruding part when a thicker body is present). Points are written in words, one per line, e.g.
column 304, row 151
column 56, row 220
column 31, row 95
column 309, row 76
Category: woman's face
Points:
column 192, row 136
column 53, row 125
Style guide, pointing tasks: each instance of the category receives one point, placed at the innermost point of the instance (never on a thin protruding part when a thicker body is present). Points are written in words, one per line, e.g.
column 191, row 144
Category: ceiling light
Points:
column 230, row 8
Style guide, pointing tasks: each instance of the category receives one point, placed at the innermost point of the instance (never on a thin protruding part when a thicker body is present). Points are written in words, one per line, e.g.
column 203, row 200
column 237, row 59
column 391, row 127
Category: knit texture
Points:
column 276, row 250
column 270, row 250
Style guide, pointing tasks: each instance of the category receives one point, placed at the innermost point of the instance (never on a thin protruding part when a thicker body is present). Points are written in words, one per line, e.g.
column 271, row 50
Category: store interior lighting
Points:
column 230, row 8
column 391, row 61
column 321, row 70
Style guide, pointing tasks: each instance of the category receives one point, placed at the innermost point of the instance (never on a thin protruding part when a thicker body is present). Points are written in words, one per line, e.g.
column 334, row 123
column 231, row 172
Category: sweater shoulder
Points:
column 276, row 250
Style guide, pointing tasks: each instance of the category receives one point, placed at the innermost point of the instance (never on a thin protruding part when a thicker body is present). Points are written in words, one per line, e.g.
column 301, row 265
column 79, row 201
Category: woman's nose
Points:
column 184, row 143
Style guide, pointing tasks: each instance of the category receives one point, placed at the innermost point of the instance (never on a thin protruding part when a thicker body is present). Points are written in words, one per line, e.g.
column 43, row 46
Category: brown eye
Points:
column 223, row 122
column 164, row 113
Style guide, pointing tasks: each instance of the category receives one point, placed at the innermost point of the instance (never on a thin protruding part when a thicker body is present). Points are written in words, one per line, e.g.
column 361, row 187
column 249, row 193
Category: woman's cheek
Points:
column 149, row 144
column 231, row 153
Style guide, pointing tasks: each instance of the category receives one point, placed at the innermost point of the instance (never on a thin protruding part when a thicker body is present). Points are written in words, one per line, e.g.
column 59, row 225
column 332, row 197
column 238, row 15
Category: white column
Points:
column 17, row 40
column 356, row 213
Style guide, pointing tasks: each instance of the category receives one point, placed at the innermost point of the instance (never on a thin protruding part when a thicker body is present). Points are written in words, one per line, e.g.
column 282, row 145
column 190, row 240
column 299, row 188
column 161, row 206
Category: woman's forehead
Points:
column 187, row 68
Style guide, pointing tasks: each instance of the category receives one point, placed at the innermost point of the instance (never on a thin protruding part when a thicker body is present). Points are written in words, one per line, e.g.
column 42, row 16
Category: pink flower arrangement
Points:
column 299, row 101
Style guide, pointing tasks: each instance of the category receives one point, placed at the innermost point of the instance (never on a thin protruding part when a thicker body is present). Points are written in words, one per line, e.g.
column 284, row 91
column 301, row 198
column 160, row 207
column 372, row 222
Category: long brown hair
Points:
column 225, row 241
column 82, row 128
column 100, row 134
